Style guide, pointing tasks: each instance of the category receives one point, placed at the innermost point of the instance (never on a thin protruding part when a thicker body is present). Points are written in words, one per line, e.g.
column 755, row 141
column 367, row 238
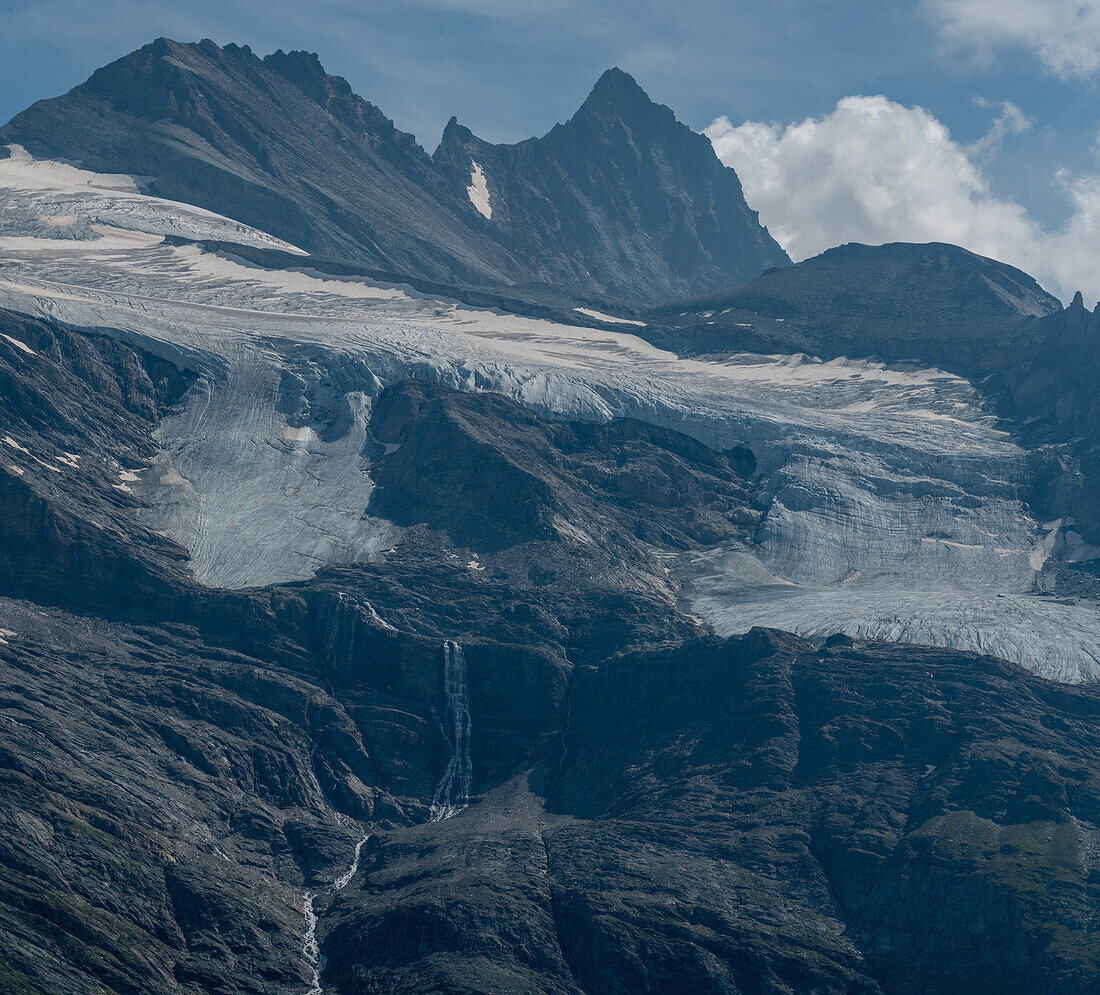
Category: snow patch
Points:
column 600, row 316
column 22, row 346
column 67, row 195
column 15, row 445
column 22, row 168
column 478, row 191
column 303, row 436
column 216, row 266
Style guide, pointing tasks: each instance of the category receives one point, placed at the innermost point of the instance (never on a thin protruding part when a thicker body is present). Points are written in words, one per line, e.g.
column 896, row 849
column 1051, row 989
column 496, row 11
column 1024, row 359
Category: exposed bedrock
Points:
column 755, row 815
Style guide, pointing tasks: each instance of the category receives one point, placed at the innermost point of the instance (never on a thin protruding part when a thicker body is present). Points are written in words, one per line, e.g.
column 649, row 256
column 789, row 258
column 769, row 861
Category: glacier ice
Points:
column 892, row 497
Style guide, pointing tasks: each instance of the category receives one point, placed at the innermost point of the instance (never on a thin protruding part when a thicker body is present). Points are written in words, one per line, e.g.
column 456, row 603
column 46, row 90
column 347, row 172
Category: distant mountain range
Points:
column 621, row 201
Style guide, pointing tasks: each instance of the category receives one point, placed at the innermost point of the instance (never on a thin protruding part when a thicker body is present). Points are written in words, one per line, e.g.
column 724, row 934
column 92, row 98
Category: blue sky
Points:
column 512, row 69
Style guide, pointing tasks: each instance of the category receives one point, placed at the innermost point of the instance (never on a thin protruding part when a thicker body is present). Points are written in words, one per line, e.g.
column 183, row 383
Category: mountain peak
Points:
column 281, row 144
column 617, row 92
column 615, row 83
column 303, row 69
column 455, row 134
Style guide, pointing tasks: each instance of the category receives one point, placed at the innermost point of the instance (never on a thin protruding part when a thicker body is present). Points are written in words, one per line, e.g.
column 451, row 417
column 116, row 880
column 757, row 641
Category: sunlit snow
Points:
column 893, row 500
column 478, row 191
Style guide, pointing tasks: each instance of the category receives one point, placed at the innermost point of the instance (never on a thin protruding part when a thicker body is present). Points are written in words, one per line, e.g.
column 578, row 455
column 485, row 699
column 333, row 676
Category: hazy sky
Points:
column 973, row 121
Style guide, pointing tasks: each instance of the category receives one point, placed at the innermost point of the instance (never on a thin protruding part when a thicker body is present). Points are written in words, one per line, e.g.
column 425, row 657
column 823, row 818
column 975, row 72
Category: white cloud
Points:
column 875, row 171
column 1064, row 34
column 1011, row 121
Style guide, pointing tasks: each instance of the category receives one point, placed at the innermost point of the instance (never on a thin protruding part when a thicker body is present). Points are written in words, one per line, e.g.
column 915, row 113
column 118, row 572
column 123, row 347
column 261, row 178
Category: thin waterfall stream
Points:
column 452, row 794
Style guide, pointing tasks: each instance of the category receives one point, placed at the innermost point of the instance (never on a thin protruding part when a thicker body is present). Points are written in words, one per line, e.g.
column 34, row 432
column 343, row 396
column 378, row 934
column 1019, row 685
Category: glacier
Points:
column 892, row 498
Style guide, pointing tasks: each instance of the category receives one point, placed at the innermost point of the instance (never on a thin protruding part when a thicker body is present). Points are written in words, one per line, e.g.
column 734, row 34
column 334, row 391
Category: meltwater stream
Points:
column 453, row 790
column 311, row 947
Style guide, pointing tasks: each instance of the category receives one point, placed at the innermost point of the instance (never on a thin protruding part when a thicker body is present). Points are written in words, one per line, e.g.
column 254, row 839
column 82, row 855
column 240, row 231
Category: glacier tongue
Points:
column 893, row 505
column 255, row 500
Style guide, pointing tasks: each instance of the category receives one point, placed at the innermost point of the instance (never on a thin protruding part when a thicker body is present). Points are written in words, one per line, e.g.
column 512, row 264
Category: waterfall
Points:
column 311, row 949
column 453, row 791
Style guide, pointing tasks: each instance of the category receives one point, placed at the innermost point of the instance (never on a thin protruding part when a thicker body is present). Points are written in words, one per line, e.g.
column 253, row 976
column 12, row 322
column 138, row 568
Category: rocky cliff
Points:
column 622, row 198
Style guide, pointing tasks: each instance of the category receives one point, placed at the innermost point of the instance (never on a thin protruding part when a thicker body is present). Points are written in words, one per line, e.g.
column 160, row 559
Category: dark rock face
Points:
column 1051, row 390
column 622, row 201
column 755, row 815
column 96, row 399
column 495, row 476
column 155, row 795
column 276, row 143
column 935, row 303
column 622, row 198
column 853, row 780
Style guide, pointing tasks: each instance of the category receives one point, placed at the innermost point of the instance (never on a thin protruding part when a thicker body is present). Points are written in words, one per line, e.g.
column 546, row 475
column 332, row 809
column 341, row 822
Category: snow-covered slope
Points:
column 893, row 499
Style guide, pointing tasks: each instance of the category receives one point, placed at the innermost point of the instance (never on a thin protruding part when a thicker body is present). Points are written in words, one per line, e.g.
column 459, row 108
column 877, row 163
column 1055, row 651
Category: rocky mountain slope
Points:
column 622, row 201
column 648, row 805
column 934, row 304
column 369, row 636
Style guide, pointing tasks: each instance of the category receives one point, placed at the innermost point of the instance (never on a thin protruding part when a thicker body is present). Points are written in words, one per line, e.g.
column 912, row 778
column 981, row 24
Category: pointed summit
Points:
column 617, row 94
column 622, row 200
column 616, row 85
column 455, row 134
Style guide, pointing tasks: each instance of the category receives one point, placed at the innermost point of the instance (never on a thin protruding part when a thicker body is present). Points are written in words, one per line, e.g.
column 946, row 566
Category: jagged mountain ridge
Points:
column 281, row 145
column 573, row 202
column 274, row 142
